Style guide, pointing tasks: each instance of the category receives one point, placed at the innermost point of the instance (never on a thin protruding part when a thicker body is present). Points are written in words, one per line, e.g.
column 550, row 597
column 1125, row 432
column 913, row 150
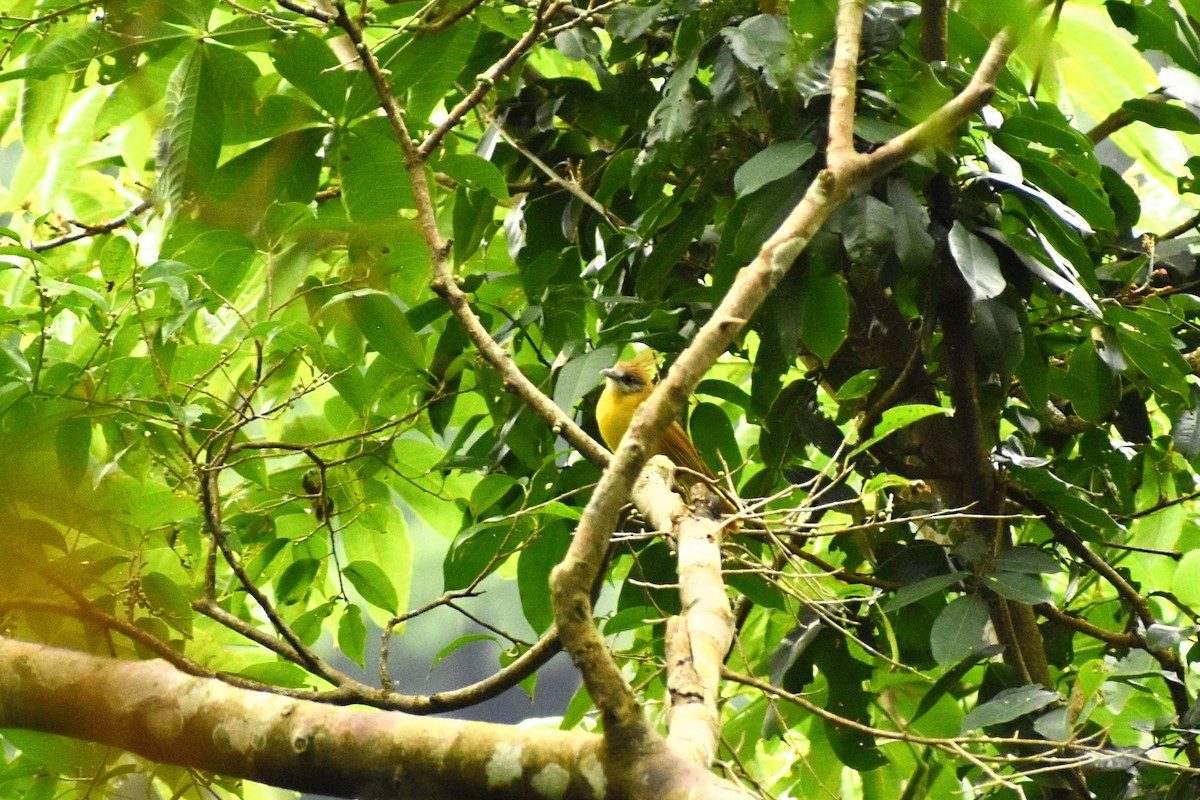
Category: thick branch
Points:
column 697, row 642
column 1119, row 119
column 843, row 82
column 150, row 708
column 933, row 30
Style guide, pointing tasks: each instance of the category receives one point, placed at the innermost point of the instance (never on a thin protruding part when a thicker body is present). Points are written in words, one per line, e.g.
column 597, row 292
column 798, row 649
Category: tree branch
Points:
column 94, row 230
column 150, row 708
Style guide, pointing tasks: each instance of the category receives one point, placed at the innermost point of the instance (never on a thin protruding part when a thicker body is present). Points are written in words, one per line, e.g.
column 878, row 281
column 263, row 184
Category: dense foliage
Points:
column 963, row 427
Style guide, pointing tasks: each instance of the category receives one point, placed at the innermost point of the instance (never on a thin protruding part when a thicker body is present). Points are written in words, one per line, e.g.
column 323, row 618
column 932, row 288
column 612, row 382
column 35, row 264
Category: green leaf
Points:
column 1028, row 560
column 672, row 117
column 296, row 581
column 1163, row 115
column 1151, row 349
column 191, row 131
column 168, row 600
column 958, row 630
column 1006, row 706
column 116, row 259
column 1185, row 430
column 1186, row 583
column 713, row 433
column 307, row 62
column 375, row 182
column 373, row 584
column 628, row 22
column 777, row 161
column 858, row 385
column 914, row 244
column 999, row 338
column 868, row 228
column 72, row 443
column 352, row 634
column 912, row 592
column 427, row 67
column 895, row 418
column 952, row 678
column 1067, row 500
column 475, row 172
column 825, row 312
column 1154, row 25
column 537, row 559
column 977, row 262
column 278, row 673
column 581, row 375
column 764, row 42
column 1022, row 588
column 384, row 325
column 474, row 553
column 459, row 642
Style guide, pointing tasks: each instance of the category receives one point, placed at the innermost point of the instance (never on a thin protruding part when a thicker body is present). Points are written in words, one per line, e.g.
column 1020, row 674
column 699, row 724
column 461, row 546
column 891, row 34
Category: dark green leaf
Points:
column 1185, row 431
column 476, row 172
column 999, row 339
column 777, row 161
column 375, row 183
column 296, row 581
column 1027, row 589
column 1028, row 560
column 672, row 117
column 352, row 634
column 72, row 442
column 977, row 262
column 168, row 601
column 713, row 434
column 764, row 42
column 191, row 131
column 1006, row 706
column 958, row 630
column 628, row 22
column 923, row 588
column 373, row 584
column 306, row 61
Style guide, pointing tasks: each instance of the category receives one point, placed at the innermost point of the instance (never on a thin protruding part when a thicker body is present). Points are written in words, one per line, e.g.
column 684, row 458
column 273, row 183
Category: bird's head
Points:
column 632, row 377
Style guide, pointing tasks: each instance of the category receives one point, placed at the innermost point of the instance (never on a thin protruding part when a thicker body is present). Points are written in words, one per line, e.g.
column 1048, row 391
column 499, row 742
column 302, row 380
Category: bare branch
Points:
column 86, row 230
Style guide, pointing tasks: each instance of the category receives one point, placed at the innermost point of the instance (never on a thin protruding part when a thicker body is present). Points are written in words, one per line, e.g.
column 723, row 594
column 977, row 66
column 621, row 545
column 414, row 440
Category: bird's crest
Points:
column 644, row 364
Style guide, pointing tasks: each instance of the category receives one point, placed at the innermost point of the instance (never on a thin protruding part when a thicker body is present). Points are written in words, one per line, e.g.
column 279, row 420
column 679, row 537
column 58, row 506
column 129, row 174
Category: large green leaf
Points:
column 977, row 263
column 958, row 630
column 191, row 132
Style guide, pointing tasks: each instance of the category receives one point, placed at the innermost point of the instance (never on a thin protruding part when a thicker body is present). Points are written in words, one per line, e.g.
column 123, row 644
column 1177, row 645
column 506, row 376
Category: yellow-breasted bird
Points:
column 626, row 385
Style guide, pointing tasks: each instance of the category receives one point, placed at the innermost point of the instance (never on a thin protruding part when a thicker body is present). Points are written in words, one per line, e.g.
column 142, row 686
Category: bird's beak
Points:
column 609, row 373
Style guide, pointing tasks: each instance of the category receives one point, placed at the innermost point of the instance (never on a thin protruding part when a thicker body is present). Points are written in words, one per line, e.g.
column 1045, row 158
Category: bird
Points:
column 626, row 385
